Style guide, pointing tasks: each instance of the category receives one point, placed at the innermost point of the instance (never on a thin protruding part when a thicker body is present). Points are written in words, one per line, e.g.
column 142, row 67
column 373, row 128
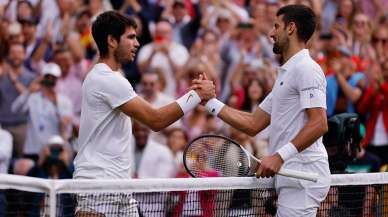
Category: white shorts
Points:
column 108, row 204
column 297, row 197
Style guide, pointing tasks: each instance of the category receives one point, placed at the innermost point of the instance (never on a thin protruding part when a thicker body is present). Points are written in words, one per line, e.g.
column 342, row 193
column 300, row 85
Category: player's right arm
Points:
column 249, row 123
column 157, row 119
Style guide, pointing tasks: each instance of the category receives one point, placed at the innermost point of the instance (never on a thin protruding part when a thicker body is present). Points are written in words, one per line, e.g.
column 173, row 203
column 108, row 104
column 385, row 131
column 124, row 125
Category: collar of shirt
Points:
column 102, row 67
column 105, row 67
column 291, row 62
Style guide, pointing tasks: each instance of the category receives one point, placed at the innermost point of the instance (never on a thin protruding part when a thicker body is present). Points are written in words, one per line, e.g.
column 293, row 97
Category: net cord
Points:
column 159, row 185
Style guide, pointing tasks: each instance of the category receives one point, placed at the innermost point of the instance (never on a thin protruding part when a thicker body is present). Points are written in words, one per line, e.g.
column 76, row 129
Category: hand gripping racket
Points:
column 213, row 155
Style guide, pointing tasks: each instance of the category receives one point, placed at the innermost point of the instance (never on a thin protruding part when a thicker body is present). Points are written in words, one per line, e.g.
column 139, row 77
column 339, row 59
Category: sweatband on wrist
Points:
column 188, row 101
column 287, row 151
column 214, row 106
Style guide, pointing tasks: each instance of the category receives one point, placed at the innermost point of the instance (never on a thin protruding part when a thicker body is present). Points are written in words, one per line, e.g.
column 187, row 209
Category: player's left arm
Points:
column 311, row 86
column 315, row 127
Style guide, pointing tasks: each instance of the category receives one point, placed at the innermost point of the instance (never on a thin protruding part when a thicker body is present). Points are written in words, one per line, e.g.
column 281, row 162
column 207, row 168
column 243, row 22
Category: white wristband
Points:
column 214, row 106
column 287, row 151
column 188, row 101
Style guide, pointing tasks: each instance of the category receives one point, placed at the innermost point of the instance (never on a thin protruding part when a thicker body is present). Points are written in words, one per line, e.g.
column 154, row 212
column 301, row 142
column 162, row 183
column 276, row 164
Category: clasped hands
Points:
column 204, row 87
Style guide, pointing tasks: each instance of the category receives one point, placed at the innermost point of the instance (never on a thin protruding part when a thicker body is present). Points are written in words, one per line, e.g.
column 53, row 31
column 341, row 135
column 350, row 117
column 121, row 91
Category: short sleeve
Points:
column 266, row 105
column 116, row 90
column 311, row 85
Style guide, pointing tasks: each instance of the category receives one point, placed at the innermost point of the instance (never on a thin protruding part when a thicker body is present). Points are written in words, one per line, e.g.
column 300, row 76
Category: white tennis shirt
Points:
column 105, row 132
column 300, row 84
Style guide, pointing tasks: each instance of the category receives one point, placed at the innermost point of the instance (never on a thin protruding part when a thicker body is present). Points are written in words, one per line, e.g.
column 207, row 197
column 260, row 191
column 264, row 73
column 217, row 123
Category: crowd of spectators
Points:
column 46, row 50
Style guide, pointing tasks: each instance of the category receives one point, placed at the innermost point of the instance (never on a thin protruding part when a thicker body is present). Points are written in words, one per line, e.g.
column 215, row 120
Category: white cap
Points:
column 223, row 13
column 14, row 28
column 55, row 140
column 51, row 69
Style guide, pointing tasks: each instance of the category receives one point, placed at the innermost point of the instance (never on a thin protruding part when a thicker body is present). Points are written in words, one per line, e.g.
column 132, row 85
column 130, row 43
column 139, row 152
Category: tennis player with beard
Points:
column 295, row 112
column 108, row 104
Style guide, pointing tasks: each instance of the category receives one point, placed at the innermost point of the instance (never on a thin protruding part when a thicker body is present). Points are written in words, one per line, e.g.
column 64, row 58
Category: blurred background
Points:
column 46, row 50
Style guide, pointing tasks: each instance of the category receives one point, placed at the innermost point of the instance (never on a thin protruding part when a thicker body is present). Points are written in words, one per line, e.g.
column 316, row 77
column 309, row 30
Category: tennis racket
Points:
column 218, row 156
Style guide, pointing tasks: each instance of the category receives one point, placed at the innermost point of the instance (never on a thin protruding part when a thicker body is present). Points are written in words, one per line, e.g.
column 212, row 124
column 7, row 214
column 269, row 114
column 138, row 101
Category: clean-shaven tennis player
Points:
column 108, row 103
column 295, row 111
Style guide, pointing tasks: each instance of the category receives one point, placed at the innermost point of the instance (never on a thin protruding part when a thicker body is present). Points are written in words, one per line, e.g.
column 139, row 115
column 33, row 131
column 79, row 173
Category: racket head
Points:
column 216, row 156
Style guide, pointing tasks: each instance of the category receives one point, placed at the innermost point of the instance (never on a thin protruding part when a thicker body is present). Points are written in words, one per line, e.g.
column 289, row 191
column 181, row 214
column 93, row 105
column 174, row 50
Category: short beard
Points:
column 279, row 48
column 120, row 56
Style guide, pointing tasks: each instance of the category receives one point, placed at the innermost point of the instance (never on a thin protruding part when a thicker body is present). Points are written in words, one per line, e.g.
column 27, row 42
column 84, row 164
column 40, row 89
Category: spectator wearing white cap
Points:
column 54, row 163
column 49, row 113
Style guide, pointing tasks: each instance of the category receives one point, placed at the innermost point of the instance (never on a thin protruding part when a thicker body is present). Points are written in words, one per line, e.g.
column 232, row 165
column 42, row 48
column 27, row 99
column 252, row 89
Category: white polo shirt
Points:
column 105, row 132
column 300, row 84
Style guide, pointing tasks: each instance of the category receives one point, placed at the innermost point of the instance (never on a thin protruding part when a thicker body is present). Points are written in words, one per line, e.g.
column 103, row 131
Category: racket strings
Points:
column 215, row 156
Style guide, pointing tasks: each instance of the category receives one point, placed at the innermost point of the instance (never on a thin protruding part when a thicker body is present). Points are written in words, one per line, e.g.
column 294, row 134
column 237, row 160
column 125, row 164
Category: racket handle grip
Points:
column 299, row 174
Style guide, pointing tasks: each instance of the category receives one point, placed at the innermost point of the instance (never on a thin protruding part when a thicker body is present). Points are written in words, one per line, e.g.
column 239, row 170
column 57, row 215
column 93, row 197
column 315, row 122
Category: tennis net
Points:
column 351, row 195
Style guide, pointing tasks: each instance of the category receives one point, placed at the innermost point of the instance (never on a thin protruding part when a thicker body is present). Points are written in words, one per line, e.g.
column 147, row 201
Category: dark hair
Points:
column 110, row 23
column 303, row 17
column 247, row 104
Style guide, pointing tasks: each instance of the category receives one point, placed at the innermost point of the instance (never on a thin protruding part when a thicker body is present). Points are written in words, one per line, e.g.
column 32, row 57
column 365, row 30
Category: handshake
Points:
column 204, row 87
column 202, row 91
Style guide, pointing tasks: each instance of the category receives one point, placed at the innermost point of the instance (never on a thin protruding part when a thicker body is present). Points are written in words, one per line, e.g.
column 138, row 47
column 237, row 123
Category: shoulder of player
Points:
column 103, row 76
column 308, row 66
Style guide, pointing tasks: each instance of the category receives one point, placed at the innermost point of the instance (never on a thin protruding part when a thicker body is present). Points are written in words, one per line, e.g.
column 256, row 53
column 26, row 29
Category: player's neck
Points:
column 292, row 50
column 111, row 62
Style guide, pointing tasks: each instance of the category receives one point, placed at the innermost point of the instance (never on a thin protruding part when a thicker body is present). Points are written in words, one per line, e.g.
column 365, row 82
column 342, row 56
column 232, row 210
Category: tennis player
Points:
column 108, row 104
column 295, row 112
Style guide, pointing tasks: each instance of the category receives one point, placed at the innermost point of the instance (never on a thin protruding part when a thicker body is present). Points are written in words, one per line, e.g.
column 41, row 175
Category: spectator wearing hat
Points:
column 49, row 113
column 14, row 80
column 54, row 160
column 54, row 163
column 14, row 33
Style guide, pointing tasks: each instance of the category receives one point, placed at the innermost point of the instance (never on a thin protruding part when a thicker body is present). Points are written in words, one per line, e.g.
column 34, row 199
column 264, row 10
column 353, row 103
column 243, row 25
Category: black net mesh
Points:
column 342, row 201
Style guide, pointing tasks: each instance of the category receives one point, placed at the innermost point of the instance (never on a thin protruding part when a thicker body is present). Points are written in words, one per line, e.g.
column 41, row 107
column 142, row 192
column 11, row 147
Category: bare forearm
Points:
column 243, row 121
column 312, row 131
column 157, row 119
column 165, row 116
